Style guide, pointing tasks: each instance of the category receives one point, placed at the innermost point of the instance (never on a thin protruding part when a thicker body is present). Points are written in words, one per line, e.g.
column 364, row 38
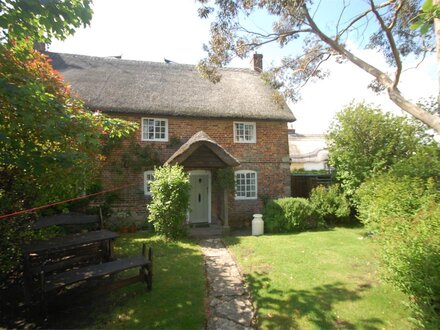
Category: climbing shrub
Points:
column 169, row 205
column 290, row 215
column 330, row 203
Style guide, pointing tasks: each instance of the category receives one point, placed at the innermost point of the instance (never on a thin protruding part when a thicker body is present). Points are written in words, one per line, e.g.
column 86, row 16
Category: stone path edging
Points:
column 230, row 305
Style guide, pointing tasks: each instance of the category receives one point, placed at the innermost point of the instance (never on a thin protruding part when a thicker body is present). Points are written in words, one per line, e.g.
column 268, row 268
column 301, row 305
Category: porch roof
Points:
column 192, row 153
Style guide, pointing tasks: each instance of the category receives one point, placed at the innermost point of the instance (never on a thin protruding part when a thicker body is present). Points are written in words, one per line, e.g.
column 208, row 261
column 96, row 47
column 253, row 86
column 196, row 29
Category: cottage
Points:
column 238, row 123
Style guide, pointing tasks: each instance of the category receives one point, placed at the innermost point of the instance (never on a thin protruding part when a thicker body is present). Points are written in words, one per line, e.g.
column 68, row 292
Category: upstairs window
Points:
column 245, row 185
column 154, row 129
column 245, row 132
column 148, row 177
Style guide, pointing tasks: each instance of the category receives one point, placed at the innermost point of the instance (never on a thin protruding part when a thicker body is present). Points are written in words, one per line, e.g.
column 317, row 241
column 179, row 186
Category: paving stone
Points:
column 219, row 323
column 229, row 302
column 237, row 310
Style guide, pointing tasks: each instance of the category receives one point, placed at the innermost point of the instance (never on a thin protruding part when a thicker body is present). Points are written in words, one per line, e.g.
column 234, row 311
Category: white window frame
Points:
column 254, row 138
column 256, row 184
column 155, row 119
column 147, row 181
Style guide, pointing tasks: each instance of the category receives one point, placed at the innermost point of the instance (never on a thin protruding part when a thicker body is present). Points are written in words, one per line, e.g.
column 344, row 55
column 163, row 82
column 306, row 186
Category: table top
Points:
column 68, row 241
column 66, row 219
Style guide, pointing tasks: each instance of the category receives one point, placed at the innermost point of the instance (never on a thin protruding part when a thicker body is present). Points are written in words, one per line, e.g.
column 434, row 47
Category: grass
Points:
column 176, row 301
column 177, row 298
column 318, row 280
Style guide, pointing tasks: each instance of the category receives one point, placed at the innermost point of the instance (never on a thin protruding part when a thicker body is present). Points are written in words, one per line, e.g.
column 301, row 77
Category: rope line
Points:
column 65, row 201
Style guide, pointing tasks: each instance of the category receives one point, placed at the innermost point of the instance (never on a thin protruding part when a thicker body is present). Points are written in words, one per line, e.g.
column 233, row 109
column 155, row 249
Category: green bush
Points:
column 332, row 206
column 405, row 213
column 169, row 205
column 14, row 233
column 289, row 215
column 365, row 141
column 411, row 260
column 388, row 195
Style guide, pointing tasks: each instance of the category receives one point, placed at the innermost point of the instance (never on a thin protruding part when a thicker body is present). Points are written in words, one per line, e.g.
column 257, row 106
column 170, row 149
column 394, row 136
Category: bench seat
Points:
column 57, row 281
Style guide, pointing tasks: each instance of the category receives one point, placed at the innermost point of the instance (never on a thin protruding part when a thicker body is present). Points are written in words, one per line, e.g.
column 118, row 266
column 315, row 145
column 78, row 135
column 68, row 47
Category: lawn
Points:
column 177, row 298
column 318, row 280
column 176, row 301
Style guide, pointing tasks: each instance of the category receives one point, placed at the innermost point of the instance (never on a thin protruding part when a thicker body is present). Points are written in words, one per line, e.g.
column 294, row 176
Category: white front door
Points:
column 200, row 199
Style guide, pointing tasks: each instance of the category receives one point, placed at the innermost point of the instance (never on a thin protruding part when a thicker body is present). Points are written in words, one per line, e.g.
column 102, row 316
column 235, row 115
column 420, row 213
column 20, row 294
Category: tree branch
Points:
column 394, row 94
column 392, row 42
column 364, row 14
column 396, row 14
column 316, row 69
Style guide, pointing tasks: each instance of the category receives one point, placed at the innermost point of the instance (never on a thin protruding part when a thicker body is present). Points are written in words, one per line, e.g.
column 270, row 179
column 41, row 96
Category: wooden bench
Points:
column 50, row 265
column 56, row 282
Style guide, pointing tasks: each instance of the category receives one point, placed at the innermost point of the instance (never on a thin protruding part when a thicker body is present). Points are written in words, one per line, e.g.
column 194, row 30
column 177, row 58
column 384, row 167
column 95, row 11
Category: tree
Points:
column 387, row 25
column 364, row 141
column 51, row 147
column 42, row 20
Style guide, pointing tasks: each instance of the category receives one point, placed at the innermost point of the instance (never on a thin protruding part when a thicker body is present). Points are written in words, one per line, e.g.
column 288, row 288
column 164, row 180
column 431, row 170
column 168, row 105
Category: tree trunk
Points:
column 437, row 38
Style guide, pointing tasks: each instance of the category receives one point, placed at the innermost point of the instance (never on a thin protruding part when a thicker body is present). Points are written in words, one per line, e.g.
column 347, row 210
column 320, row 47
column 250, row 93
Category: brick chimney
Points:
column 257, row 62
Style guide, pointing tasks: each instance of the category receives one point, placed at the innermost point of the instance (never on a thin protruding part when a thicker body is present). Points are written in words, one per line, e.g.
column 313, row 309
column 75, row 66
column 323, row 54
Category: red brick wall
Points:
column 269, row 157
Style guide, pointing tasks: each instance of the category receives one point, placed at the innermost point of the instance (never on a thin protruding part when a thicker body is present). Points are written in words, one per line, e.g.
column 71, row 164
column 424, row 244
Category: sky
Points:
column 153, row 30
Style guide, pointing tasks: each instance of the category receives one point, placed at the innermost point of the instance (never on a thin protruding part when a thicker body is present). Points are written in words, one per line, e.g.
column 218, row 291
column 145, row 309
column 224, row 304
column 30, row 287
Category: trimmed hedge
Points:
column 290, row 215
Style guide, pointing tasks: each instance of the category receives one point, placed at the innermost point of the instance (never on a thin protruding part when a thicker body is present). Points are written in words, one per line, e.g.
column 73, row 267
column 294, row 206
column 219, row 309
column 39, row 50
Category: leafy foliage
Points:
column 411, row 258
column 401, row 206
column 225, row 179
column 330, row 203
column 405, row 213
column 364, row 141
column 289, row 215
column 51, row 146
column 169, row 206
column 425, row 18
column 42, row 20
column 388, row 195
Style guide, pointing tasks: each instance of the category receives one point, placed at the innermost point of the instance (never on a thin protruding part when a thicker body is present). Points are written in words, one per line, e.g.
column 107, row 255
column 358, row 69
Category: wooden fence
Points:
column 302, row 184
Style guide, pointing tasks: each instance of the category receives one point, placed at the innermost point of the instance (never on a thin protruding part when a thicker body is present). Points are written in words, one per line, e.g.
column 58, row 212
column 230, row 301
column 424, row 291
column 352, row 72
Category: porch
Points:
column 203, row 158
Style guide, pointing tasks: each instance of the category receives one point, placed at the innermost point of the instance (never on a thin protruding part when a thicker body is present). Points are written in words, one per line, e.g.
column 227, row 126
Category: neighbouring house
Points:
column 308, row 151
column 239, row 123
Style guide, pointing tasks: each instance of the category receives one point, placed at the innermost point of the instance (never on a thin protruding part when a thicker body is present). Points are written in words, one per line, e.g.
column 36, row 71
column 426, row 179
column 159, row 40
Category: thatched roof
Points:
column 198, row 140
column 126, row 86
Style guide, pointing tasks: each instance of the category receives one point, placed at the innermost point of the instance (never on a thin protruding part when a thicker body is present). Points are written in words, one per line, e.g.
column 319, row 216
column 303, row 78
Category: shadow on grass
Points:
column 283, row 309
column 176, row 301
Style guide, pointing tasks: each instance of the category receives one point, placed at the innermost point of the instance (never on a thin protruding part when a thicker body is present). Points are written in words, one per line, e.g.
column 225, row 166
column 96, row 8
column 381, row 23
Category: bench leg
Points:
column 148, row 269
column 150, row 277
column 43, row 301
column 147, row 276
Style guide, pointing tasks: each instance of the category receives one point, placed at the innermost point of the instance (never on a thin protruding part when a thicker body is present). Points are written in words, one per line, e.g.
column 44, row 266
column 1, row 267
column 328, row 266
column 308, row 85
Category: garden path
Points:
column 230, row 305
